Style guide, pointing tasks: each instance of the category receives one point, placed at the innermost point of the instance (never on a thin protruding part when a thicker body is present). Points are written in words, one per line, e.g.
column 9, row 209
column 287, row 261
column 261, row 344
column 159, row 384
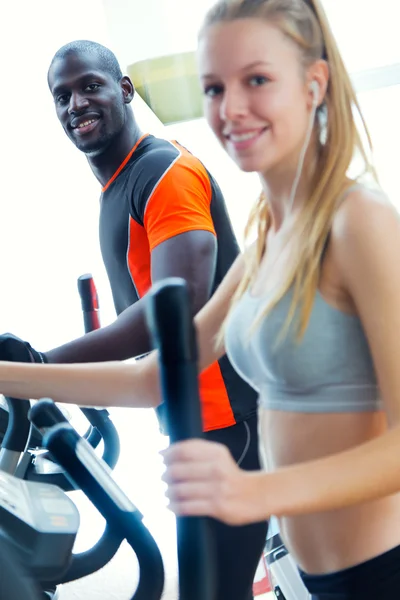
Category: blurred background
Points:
column 49, row 199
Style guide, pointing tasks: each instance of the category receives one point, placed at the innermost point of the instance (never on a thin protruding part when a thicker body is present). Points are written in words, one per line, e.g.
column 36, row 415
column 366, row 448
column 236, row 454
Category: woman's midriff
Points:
column 330, row 541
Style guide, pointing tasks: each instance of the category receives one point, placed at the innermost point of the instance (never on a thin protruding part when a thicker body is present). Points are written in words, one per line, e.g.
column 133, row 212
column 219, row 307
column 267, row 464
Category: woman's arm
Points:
column 115, row 383
column 204, row 480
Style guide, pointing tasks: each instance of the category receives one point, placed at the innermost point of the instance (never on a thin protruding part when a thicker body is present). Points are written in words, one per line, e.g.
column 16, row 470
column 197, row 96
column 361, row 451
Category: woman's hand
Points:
column 204, row 480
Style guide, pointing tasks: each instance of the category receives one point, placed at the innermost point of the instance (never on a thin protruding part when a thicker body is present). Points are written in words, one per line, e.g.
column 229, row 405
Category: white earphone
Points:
column 314, row 87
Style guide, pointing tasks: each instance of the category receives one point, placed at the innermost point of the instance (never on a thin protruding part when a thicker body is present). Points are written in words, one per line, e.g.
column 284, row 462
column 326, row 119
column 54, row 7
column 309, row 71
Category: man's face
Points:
column 89, row 102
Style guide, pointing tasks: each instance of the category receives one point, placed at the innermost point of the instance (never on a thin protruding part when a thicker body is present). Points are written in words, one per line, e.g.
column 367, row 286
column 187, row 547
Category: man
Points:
column 161, row 214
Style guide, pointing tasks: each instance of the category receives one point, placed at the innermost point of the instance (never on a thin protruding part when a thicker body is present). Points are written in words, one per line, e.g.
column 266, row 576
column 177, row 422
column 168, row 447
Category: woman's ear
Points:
column 318, row 79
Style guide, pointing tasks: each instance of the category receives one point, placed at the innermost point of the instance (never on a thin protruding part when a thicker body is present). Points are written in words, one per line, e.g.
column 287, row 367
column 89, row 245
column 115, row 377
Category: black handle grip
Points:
column 169, row 318
column 90, row 302
column 101, row 426
column 91, row 319
column 45, row 414
column 90, row 308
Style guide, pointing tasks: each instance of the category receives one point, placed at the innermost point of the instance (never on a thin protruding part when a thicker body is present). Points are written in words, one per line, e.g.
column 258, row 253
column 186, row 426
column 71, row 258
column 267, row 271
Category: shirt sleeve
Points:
column 179, row 202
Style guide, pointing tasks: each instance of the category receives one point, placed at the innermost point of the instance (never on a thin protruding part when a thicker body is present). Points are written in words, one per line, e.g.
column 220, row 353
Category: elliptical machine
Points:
column 171, row 325
column 22, row 456
column 21, row 448
column 284, row 574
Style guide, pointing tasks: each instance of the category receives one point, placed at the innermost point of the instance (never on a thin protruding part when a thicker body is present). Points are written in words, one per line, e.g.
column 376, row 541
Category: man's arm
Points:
column 190, row 255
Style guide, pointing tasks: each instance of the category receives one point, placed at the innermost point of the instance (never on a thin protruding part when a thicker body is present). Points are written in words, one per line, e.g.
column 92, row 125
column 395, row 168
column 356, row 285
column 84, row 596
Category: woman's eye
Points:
column 212, row 90
column 257, row 80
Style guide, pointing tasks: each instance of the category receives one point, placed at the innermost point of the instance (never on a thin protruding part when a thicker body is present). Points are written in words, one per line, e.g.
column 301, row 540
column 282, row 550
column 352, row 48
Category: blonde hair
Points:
column 305, row 23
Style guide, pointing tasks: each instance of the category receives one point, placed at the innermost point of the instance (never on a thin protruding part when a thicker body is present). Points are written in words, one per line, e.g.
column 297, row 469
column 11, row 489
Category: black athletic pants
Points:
column 238, row 549
column 375, row 579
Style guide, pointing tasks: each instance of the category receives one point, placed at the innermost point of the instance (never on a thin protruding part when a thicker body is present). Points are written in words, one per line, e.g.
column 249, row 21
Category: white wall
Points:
column 49, row 199
column 158, row 28
column 367, row 32
column 380, row 109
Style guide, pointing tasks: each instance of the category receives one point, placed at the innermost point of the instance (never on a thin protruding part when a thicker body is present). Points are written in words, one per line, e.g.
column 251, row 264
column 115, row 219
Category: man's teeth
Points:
column 86, row 123
column 242, row 137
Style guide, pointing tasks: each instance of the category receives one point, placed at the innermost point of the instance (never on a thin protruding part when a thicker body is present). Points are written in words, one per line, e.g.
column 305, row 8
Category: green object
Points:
column 170, row 87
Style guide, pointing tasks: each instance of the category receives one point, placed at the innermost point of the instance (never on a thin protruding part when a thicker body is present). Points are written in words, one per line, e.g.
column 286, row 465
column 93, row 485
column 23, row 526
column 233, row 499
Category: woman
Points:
column 314, row 321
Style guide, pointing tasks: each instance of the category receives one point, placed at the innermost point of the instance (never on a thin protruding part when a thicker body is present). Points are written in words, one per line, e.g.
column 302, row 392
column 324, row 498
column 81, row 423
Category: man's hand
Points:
column 13, row 349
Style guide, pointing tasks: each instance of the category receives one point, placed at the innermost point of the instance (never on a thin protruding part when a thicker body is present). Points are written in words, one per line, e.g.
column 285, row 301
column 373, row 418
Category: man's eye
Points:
column 62, row 99
column 93, row 87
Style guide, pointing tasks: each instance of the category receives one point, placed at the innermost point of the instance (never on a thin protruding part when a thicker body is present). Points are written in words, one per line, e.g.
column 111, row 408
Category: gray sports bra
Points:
column 329, row 370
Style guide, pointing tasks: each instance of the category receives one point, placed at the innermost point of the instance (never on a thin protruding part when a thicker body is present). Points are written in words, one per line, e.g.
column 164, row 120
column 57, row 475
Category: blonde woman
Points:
column 314, row 322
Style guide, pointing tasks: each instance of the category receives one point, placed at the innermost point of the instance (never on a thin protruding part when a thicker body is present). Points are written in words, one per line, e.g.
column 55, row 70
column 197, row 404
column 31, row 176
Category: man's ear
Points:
column 127, row 89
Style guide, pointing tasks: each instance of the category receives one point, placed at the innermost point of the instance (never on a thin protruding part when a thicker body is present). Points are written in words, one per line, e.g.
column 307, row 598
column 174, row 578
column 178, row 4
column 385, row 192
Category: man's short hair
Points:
column 106, row 56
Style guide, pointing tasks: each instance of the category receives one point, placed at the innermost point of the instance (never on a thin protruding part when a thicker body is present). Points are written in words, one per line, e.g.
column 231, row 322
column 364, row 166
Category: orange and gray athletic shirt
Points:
column 159, row 191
